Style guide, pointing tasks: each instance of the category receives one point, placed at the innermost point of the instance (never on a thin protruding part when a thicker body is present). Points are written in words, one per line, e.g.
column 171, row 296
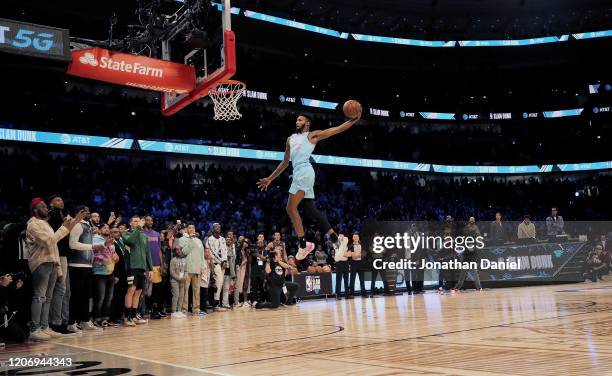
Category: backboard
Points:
column 171, row 103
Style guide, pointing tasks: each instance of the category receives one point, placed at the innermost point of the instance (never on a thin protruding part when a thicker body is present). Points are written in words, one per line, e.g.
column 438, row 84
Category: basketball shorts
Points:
column 136, row 277
column 303, row 180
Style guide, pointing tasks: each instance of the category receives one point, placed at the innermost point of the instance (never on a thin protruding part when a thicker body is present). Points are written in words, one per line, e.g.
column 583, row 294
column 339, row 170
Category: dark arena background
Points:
column 164, row 209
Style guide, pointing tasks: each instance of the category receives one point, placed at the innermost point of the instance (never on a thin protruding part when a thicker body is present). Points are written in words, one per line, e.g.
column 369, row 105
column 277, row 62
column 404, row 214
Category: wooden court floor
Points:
column 546, row 330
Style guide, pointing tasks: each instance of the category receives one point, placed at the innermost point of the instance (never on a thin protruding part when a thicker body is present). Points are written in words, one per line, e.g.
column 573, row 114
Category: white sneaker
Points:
column 177, row 315
column 139, row 320
column 89, row 326
column 220, row 309
column 303, row 252
column 51, row 333
column 39, row 336
column 74, row 328
column 183, row 315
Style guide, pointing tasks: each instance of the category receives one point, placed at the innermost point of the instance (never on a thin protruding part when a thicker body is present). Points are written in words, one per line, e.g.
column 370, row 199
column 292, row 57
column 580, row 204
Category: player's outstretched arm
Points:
column 265, row 182
column 316, row 136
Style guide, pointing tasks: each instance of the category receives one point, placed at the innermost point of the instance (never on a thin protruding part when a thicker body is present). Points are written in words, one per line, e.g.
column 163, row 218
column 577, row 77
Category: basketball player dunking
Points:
column 298, row 150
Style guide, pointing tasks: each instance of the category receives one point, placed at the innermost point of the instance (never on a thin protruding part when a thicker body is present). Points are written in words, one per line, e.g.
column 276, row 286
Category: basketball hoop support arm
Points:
column 225, row 72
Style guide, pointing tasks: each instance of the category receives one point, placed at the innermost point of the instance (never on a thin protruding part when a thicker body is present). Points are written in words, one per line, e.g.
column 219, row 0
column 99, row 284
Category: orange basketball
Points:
column 351, row 108
column 326, row 269
column 319, row 269
column 311, row 270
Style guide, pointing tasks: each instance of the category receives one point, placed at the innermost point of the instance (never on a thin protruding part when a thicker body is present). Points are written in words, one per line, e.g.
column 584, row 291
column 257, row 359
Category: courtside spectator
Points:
column 44, row 264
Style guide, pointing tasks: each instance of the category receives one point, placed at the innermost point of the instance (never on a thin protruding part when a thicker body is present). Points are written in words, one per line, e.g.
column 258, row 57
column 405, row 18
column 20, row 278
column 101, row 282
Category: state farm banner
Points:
column 132, row 70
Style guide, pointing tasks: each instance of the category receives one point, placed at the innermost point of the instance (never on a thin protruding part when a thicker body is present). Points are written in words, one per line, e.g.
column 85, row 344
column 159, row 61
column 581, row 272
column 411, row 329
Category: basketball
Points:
column 319, row 269
column 351, row 108
column 311, row 269
column 326, row 269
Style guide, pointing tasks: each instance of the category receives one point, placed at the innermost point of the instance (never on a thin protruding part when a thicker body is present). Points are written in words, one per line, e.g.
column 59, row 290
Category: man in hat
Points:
column 60, row 303
column 44, row 264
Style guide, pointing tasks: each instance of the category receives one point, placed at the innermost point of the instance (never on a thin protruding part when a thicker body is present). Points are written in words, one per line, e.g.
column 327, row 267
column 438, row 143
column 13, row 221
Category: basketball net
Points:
column 225, row 99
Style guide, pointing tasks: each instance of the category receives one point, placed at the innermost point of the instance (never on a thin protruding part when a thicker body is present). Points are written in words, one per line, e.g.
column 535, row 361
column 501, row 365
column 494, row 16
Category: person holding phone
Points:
column 80, row 264
column 59, row 313
column 44, row 264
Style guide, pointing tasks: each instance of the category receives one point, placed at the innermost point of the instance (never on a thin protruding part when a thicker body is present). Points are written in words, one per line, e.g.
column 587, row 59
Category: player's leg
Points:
column 292, row 210
column 319, row 218
column 304, row 247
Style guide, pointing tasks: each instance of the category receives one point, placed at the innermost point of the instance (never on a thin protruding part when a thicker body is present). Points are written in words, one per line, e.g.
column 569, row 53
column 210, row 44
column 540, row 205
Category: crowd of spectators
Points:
column 437, row 21
column 105, row 192
column 227, row 193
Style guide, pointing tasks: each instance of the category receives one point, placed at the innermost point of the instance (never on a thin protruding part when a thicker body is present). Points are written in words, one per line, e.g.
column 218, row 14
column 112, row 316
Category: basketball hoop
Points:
column 225, row 98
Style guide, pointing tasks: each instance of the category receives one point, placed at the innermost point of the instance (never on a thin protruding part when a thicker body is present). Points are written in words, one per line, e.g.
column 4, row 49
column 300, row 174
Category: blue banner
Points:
column 294, row 24
column 445, row 169
column 563, row 113
column 437, row 115
column 318, row 103
column 511, row 42
column 593, row 34
column 403, row 41
column 18, row 135
column 585, row 166
column 64, row 139
column 416, row 42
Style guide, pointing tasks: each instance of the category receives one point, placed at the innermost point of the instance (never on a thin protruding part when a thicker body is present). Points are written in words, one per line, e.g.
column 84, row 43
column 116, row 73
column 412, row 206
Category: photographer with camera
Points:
column 10, row 330
column 275, row 269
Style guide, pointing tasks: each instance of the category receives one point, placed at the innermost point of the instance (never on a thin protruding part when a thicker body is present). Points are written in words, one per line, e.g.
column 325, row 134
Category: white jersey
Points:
column 300, row 149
